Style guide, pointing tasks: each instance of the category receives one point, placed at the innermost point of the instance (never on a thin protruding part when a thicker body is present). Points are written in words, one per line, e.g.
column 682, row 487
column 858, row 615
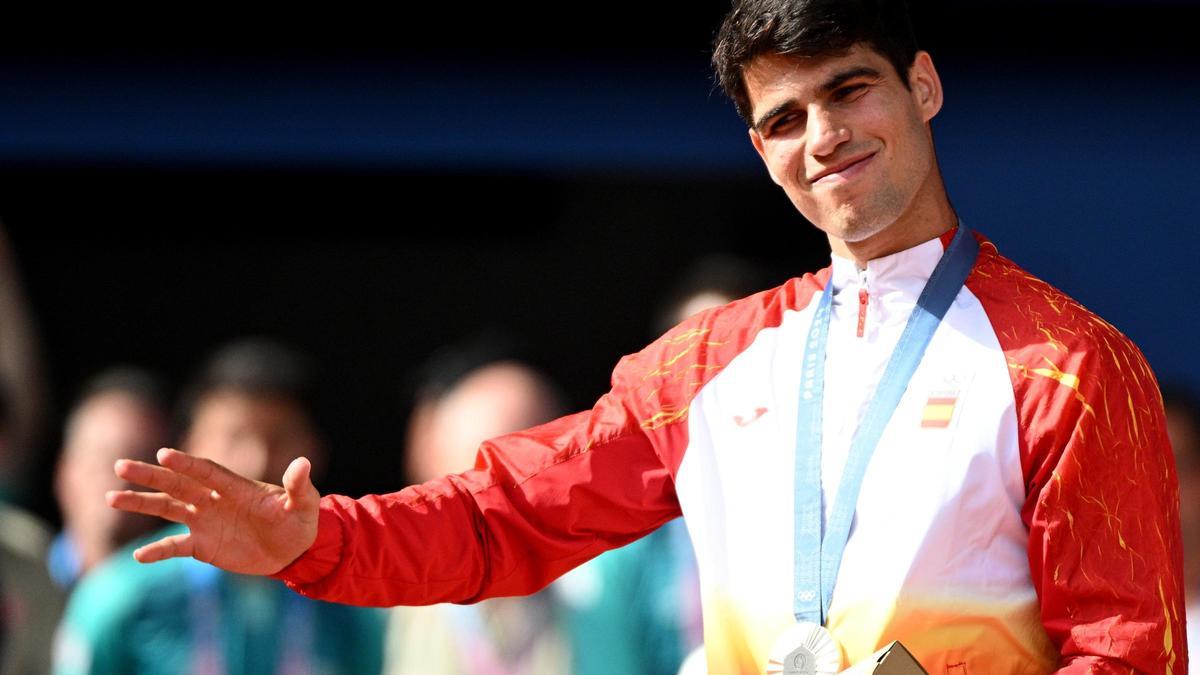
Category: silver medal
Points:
column 805, row 649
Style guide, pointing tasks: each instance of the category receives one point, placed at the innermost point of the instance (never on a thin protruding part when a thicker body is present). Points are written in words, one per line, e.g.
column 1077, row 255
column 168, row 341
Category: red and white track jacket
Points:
column 1020, row 514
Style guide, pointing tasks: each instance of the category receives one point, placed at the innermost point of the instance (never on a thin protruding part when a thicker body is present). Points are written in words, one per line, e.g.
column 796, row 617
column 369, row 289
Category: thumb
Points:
column 297, row 484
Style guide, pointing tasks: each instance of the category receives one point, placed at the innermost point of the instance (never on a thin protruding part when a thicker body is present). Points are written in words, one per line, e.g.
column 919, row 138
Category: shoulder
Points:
column 111, row 606
column 1040, row 328
column 116, row 589
column 658, row 383
column 684, row 358
column 654, row 387
column 1077, row 381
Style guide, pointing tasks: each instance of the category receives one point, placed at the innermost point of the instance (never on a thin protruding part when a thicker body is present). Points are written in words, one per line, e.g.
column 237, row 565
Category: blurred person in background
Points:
column 249, row 408
column 1182, row 407
column 630, row 611
column 22, row 373
column 30, row 603
column 468, row 394
column 645, row 596
column 710, row 281
column 121, row 412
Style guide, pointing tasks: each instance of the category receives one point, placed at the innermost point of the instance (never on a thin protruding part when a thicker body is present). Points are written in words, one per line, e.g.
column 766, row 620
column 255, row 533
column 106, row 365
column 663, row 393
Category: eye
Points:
column 848, row 92
column 781, row 123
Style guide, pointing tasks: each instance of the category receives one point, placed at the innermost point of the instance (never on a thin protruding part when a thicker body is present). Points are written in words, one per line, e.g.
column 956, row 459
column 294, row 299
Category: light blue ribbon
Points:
column 818, row 558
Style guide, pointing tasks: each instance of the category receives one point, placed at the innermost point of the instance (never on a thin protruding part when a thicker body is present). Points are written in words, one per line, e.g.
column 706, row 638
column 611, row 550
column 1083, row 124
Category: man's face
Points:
column 496, row 399
column 844, row 137
column 104, row 429
column 254, row 436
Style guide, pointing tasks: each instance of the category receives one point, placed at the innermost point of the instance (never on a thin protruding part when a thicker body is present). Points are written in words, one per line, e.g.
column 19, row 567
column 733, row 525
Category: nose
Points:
column 825, row 132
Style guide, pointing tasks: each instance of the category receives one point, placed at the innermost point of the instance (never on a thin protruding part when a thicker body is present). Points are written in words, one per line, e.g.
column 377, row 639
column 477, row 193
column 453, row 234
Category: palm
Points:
column 242, row 532
column 234, row 523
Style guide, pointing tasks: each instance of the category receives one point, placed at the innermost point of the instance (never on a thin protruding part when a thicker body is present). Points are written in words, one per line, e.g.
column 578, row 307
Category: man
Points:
column 249, row 408
column 121, row 413
column 1012, row 498
column 30, row 603
column 471, row 394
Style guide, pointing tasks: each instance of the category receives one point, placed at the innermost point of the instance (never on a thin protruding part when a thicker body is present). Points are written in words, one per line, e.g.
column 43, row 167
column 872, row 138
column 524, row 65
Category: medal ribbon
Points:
column 818, row 558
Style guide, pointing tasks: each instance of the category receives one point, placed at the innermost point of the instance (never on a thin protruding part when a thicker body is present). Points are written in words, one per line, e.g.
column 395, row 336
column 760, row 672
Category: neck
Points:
column 930, row 215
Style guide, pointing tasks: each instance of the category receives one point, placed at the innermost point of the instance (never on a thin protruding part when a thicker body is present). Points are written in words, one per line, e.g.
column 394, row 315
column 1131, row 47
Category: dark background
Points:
column 371, row 187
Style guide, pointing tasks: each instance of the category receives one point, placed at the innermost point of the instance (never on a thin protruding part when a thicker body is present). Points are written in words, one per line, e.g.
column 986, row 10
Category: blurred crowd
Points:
column 74, row 601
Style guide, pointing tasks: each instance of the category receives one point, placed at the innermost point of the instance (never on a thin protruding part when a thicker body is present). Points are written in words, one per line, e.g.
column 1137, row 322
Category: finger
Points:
column 297, row 483
column 150, row 503
column 174, row 546
column 205, row 471
column 164, row 480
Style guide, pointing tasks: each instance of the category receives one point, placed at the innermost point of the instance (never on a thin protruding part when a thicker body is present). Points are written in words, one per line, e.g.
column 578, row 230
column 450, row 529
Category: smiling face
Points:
column 851, row 146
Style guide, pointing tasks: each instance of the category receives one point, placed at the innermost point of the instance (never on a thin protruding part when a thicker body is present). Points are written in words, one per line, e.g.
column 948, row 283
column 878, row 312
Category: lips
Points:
column 843, row 170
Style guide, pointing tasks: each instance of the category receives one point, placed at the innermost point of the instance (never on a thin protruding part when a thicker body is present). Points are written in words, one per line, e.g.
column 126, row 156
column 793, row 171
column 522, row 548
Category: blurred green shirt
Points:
column 183, row 616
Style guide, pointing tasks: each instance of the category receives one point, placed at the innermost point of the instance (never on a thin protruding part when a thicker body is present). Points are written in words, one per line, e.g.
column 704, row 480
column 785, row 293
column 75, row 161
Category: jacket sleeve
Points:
column 1105, row 549
column 538, row 503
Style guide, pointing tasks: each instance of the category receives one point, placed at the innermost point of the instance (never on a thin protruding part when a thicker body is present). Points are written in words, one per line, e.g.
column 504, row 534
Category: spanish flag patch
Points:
column 939, row 410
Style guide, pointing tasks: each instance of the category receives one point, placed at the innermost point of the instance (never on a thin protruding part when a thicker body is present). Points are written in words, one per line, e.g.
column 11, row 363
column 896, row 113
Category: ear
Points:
column 757, row 141
column 925, row 85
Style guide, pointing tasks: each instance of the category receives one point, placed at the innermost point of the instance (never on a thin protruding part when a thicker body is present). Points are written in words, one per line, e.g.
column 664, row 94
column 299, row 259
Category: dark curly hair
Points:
column 808, row 28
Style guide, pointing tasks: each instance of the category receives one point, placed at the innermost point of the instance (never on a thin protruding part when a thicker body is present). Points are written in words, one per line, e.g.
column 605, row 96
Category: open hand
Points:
column 235, row 523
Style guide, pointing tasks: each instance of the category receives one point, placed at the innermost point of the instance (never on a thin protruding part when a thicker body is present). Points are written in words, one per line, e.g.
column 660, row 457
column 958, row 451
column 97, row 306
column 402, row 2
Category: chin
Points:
column 854, row 228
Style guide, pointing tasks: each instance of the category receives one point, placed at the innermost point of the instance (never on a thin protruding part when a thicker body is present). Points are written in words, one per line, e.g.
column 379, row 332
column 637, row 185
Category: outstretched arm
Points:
column 537, row 503
column 235, row 523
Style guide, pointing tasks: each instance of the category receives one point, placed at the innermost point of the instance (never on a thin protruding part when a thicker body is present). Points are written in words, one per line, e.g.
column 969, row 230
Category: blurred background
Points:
column 367, row 188
column 370, row 188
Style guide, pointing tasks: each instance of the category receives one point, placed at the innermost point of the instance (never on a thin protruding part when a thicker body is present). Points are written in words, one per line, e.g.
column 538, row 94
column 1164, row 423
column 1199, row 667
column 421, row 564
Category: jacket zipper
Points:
column 862, row 302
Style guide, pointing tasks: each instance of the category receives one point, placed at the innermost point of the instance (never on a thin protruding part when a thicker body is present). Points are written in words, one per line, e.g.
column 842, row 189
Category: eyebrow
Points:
column 829, row 85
